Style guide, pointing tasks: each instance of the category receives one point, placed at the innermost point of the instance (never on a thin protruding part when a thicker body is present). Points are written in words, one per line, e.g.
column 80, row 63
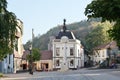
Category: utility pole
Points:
column 31, row 60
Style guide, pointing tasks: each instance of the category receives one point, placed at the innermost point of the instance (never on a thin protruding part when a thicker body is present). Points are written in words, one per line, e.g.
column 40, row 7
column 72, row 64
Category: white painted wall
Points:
column 100, row 55
column 65, row 44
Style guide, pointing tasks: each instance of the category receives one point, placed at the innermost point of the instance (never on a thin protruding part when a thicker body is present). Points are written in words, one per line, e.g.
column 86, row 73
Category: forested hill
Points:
column 80, row 30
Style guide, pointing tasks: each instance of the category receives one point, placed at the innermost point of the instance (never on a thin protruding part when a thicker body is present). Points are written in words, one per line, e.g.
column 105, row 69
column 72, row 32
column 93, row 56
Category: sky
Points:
column 42, row 15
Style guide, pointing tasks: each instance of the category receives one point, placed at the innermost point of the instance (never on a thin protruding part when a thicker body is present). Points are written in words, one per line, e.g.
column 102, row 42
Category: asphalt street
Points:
column 82, row 74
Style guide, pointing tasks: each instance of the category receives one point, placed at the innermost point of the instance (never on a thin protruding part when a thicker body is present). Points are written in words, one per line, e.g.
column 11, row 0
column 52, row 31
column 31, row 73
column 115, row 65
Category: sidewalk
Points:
column 24, row 75
column 17, row 76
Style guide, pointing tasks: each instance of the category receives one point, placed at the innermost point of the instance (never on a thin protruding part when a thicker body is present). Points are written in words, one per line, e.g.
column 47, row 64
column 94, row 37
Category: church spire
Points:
column 64, row 25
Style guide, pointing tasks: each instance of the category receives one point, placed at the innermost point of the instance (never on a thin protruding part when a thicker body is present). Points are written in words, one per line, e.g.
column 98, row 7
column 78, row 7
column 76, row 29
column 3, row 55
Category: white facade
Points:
column 67, row 53
column 100, row 55
column 102, row 52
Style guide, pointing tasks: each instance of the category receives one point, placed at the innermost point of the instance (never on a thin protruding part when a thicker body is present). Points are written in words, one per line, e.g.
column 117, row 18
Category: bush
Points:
column 1, row 75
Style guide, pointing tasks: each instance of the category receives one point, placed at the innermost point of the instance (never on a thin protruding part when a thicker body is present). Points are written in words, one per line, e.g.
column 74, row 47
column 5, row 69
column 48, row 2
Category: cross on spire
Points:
column 64, row 25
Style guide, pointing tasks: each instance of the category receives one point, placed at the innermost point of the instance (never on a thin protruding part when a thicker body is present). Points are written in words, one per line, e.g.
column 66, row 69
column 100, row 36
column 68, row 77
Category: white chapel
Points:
column 68, row 52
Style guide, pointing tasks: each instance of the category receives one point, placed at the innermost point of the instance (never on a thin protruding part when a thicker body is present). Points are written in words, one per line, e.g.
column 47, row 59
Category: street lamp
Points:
column 30, row 60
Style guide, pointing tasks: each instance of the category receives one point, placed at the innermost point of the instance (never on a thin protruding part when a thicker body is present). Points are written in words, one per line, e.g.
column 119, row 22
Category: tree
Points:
column 8, row 25
column 35, row 55
column 98, row 35
column 107, row 10
column 27, row 45
column 32, row 57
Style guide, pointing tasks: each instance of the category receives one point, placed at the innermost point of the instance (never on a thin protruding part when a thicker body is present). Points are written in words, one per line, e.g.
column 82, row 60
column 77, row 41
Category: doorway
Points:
column 24, row 66
column 44, row 66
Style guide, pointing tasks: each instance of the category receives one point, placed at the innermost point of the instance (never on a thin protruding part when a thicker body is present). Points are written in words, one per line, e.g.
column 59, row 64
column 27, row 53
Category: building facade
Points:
column 18, row 49
column 12, row 61
column 7, row 66
column 68, row 52
column 45, row 63
column 104, row 52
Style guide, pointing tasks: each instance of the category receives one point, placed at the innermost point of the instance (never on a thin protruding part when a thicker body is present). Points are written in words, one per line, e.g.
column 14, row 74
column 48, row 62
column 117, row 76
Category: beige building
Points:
column 12, row 62
column 18, row 50
column 45, row 63
column 25, row 62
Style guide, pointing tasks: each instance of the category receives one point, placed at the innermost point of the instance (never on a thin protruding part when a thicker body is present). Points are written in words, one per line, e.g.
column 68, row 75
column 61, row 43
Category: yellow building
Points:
column 45, row 63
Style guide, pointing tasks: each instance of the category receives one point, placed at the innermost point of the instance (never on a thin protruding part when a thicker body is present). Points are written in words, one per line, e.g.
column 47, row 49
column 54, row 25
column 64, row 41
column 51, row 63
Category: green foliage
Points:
column 107, row 10
column 27, row 45
column 98, row 36
column 115, row 33
column 16, row 44
column 80, row 29
column 1, row 75
column 35, row 55
column 8, row 25
column 91, row 33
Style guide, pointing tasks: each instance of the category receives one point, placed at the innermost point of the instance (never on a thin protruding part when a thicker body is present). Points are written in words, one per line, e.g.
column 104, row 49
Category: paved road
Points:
column 83, row 74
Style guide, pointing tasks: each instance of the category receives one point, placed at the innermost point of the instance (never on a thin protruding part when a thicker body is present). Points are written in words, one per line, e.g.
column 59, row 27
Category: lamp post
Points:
column 30, row 60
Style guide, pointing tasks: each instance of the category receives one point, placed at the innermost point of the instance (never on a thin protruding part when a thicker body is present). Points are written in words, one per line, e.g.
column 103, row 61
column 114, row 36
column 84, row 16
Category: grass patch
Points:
column 1, row 75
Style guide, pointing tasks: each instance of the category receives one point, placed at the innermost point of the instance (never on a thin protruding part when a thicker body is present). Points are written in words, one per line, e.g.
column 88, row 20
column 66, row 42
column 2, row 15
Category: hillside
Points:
column 80, row 30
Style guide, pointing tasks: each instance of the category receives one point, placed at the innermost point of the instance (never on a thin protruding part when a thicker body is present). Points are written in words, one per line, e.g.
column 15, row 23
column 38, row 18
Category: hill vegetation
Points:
column 81, row 30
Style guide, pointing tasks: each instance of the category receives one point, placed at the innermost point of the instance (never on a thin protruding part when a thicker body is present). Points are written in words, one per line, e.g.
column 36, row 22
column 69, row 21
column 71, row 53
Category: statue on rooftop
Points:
column 64, row 26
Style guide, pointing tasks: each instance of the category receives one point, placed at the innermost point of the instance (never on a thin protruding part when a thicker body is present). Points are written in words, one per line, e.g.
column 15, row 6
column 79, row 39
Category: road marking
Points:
column 92, row 74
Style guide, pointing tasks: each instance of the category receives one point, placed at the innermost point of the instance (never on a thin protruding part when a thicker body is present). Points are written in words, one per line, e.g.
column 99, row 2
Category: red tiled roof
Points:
column 46, row 55
column 111, row 45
